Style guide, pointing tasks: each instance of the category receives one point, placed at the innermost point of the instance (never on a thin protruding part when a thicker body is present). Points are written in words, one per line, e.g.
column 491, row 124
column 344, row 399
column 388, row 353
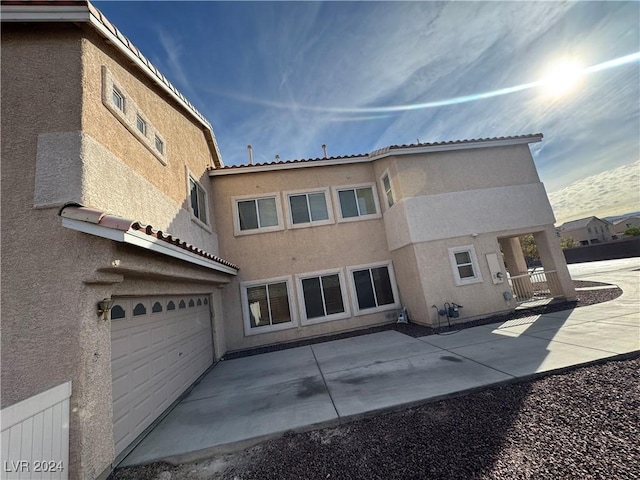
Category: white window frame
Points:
column 391, row 189
column 338, row 206
column 354, row 297
column 248, row 331
column 343, row 290
column 115, row 92
column 311, row 223
column 159, row 144
column 140, row 120
column 202, row 223
column 236, row 216
column 477, row 278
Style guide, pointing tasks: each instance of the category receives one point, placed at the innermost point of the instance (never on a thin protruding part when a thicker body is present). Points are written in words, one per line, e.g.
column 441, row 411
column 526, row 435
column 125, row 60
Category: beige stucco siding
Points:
column 289, row 251
column 460, row 170
column 184, row 141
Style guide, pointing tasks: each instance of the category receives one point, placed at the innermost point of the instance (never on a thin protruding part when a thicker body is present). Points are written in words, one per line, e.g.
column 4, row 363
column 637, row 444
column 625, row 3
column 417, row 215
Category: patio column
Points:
column 517, row 267
column 560, row 283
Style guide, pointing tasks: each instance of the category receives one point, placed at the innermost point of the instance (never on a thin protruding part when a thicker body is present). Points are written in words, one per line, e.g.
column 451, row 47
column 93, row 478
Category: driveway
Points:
column 244, row 401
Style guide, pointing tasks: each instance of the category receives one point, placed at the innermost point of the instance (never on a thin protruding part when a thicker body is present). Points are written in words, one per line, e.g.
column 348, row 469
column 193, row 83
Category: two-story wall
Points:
column 586, row 231
column 439, row 219
column 87, row 121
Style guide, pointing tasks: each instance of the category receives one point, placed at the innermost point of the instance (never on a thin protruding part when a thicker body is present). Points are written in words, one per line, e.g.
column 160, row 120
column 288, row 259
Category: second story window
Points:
column 198, row 200
column 159, row 145
column 118, row 99
column 141, row 125
column 386, row 183
column 357, row 202
column 257, row 213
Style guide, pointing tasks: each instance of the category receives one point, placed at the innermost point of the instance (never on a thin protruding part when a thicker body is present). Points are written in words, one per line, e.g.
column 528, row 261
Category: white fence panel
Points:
column 35, row 436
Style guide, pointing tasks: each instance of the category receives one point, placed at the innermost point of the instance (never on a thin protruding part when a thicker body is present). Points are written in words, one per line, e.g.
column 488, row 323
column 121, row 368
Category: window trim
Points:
column 394, row 289
column 248, row 331
column 115, row 92
column 140, row 120
column 205, row 224
column 477, row 278
column 311, row 223
column 236, row 214
column 343, row 290
column 336, row 199
column 128, row 116
column 391, row 189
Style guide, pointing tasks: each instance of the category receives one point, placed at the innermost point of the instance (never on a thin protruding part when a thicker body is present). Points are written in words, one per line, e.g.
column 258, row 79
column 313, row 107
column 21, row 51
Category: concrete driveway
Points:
column 243, row 401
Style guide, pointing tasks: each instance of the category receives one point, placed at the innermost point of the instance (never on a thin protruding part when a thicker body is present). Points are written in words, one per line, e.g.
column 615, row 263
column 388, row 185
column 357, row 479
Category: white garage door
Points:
column 159, row 347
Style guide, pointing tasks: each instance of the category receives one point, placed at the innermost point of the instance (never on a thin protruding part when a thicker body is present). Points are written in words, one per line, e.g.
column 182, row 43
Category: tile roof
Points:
column 389, row 150
column 114, row 222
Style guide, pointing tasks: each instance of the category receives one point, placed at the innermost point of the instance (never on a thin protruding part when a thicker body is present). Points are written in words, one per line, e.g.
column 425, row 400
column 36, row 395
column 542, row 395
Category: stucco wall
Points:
column 460, row 170
column 53, row 277
column 184, row 141
column 294, row 251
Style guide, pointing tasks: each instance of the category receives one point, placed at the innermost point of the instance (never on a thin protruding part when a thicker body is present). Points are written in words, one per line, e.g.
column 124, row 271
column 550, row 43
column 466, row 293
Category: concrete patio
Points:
column 243, row 401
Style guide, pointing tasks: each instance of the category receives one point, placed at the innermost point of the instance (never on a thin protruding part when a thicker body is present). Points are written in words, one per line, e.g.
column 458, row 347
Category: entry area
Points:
column 159, row 347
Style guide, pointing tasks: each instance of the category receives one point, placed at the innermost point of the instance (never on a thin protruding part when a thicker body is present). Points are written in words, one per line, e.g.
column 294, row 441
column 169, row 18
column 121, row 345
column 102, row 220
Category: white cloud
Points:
column 613, row 192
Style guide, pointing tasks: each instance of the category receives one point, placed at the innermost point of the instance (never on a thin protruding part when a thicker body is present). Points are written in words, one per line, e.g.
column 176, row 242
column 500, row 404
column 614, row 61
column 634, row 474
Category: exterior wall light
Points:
column 104, row 306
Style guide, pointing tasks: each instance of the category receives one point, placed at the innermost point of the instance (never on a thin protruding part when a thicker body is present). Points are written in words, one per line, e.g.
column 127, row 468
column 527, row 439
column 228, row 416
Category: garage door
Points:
column 159, row 347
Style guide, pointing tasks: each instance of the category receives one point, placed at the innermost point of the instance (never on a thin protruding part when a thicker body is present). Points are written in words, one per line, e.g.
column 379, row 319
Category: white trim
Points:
column 338, row 206
column 248, row 331
column 343, row 290
column 394, row 288
column 236, row 216
column 384, row 192
column 44, row 13
column 18, row 412
column 142, row 240
column 477, row 278
column 311, row 223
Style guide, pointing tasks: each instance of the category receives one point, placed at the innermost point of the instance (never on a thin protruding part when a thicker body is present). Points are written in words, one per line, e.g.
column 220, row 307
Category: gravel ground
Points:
column 581, row 424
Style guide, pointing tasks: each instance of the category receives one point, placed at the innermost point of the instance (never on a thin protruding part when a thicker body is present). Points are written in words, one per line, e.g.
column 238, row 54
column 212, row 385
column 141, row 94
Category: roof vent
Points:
column 250, row 150
column 277, row 157
column 324, row 150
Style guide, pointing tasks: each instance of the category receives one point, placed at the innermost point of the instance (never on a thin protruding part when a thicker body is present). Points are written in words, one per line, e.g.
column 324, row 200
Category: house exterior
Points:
column 621, row 225
column 133, row 259
column 586, row 231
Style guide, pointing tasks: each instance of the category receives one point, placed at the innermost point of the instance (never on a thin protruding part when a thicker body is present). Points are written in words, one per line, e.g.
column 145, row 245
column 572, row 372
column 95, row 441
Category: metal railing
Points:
column 535, row 285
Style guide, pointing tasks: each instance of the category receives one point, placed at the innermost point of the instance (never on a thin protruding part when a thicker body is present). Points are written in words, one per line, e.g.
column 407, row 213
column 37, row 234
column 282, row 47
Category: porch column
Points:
column 517, row 265
column 560, row 284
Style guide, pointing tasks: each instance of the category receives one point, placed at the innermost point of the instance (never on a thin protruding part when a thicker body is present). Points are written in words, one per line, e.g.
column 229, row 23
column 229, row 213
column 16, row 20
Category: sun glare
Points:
column 562, row 77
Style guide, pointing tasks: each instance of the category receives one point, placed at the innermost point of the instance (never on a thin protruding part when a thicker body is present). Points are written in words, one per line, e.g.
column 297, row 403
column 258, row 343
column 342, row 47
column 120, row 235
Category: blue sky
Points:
column 287, row 77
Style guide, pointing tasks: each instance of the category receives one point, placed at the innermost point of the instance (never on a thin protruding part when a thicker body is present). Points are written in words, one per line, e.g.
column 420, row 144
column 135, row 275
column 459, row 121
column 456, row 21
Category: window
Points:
column 308, row 208
column 374, row 288
column 141, row 125
column 157, row 307
column 386, row 184
column 198, row 200
column 159, row 145
column 139, row 309
column 267, row 306
column 322, row 296
column 118, row 99
column 357, row 202
column 465, row 265
column 117, row 312
column 257, row 215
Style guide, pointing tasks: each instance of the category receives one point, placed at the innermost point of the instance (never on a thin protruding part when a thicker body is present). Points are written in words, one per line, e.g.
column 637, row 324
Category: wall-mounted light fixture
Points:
column 104, row 306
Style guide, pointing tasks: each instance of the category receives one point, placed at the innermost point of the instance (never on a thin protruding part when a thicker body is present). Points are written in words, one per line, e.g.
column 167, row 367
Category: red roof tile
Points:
column 114, row 222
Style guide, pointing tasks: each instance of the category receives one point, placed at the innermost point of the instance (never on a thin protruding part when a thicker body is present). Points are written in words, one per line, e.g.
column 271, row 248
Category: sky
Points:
column 288, row 77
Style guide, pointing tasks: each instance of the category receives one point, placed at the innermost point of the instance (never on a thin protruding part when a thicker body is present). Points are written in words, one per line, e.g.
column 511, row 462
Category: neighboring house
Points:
column 114, row 188
column 621, row 225
column 586, row 231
